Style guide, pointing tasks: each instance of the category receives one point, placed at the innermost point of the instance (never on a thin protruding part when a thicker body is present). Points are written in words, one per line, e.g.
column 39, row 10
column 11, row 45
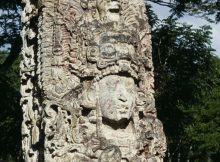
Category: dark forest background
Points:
column 187, row 80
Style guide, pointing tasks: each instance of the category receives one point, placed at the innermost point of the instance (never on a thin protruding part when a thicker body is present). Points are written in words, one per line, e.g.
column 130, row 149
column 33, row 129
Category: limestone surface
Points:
column 87, row 83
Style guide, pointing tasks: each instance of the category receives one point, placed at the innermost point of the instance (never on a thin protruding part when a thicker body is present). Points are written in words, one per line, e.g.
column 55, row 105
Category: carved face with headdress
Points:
column 110, row 52
column 114, row 95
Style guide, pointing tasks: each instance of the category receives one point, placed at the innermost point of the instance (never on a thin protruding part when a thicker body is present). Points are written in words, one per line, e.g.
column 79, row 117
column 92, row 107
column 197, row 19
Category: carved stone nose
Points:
column 114, row 1
column 122, row 98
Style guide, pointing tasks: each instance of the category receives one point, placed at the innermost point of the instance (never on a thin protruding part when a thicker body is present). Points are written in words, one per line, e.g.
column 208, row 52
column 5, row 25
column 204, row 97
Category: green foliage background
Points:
column 187, row 78
column 187, row 81
column 10, row 116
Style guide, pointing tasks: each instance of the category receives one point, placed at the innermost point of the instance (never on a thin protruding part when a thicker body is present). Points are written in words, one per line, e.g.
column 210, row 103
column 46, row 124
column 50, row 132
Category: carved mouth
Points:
column 114, row 10
column 114, row 7
column 123, row 110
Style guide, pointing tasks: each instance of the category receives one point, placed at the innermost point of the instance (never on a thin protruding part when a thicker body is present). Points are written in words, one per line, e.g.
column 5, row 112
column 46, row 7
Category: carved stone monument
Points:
column 87, row 83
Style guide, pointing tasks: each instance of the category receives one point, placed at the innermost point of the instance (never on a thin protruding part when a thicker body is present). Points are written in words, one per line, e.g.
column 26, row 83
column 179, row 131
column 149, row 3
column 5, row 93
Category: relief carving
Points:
column 88, row 94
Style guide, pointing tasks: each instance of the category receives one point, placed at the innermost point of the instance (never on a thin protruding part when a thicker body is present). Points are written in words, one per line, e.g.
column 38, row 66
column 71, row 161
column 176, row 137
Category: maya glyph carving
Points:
column 87, row 83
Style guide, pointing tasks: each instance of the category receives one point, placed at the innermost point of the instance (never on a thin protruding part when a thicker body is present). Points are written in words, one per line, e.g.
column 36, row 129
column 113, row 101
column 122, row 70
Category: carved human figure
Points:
column 118, row 119
column 111, row 126
column 117, row 97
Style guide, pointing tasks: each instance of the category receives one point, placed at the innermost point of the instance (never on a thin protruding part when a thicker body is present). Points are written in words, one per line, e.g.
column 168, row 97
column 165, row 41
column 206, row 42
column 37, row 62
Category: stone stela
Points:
column 87, row 83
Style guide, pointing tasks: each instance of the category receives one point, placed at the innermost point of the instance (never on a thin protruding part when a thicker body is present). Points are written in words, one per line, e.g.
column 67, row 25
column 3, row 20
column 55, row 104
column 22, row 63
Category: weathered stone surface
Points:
column 87, row 83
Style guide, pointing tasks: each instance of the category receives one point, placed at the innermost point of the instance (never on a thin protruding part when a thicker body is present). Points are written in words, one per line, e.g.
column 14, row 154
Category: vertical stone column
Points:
column 87, row 83
column 31, row 99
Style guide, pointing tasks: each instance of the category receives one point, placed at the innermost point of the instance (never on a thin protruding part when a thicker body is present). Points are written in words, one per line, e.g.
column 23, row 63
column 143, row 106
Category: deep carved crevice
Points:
column 121, row 124
column 85, row 111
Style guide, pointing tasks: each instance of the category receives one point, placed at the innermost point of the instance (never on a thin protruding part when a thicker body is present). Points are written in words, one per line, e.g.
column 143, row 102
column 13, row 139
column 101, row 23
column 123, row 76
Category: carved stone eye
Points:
column 84, row 4
column 93, row 53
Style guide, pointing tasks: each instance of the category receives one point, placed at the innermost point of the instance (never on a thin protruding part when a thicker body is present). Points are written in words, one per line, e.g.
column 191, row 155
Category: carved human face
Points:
column 109, row 9
column 117, row 96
